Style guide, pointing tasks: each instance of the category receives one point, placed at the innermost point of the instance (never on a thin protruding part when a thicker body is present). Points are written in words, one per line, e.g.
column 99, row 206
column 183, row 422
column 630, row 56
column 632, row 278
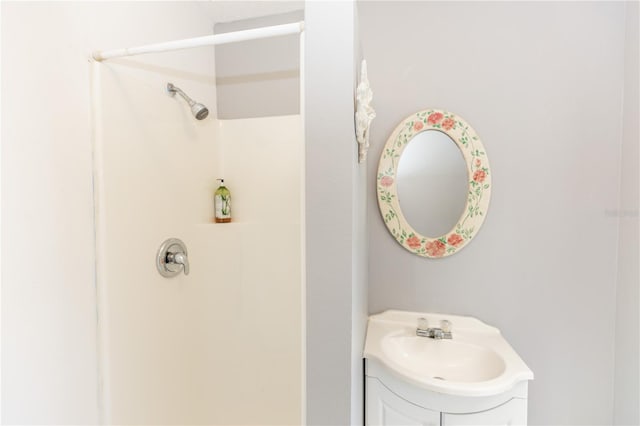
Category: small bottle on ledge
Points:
column 222, row 203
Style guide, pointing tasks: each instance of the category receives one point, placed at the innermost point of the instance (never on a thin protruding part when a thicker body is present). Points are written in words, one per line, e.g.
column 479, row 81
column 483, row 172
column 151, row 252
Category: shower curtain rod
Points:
column 210, row 40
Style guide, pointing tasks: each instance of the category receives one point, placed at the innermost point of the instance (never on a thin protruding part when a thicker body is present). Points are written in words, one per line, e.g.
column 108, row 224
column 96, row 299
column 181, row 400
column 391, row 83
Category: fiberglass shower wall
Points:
column 221, row 345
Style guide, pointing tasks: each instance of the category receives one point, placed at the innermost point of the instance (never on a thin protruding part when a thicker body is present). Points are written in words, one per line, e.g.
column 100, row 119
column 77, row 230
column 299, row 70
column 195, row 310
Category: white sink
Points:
column 477, row 361
column 443, row 359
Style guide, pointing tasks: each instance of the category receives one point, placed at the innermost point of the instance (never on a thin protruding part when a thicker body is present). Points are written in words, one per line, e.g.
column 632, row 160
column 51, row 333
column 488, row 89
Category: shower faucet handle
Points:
column 179, row 259
column 172, row 258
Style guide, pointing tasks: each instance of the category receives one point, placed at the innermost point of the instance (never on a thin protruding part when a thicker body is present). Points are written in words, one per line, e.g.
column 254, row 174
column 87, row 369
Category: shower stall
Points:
column 223, row 344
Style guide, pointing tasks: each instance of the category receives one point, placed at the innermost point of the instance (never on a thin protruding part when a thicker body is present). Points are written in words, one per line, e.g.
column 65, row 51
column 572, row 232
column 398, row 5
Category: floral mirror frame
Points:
column 479, row 178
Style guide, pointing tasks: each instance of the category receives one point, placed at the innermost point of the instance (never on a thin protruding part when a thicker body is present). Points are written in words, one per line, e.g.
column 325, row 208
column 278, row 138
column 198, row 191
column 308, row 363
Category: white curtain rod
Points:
column 210, row 40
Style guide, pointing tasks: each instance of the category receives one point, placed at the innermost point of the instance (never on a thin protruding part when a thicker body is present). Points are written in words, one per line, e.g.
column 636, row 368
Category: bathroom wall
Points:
column 541, row 83
column 336, row 296
column 197, row 349
column 627, row 371
column 360, row 313
column 243, row 71
column 335, row 240
column 49, row 361
column 185, row 350
column 155, row 172
column 263, row 165
column 49, row 370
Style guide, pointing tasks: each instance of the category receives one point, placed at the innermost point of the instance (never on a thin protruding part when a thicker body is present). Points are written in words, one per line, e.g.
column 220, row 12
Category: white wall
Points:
column 263, row 165
column 202, row 348
column 48, row 294
column 47, row 276
column 627, row 369
column 197, row 349
column 541, row 83
column 49, row 367
column 156, row 168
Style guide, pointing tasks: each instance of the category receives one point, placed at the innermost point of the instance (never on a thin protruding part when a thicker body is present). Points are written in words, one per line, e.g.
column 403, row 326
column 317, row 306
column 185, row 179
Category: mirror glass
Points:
column 432, row 183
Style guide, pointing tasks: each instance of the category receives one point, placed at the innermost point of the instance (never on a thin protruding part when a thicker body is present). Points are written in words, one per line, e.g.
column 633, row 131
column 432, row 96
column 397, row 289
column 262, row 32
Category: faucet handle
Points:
column 423, row 324
column 172, row 258
column 182, row 259
column 445, row 325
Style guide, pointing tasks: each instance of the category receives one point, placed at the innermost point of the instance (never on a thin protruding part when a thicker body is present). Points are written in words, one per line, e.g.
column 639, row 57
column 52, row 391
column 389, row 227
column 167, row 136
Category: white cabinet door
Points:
column 513, row 412
column 383, row 407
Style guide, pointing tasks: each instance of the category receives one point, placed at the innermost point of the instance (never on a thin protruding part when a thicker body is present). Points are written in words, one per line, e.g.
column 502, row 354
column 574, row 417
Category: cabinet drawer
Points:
column 383, row 407
column 513, row 412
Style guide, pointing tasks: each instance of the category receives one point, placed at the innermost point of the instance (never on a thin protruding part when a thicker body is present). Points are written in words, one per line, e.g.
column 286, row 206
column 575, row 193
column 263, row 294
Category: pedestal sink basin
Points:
column 444, row 359
column 476, row 361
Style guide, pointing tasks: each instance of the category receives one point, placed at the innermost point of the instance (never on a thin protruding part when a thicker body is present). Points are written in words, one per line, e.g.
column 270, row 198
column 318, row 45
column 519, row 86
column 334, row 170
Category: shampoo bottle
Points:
column 222, row 203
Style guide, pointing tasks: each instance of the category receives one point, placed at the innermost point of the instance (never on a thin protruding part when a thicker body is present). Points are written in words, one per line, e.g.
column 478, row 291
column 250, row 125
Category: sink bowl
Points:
column 444, row 359
column 477, row 361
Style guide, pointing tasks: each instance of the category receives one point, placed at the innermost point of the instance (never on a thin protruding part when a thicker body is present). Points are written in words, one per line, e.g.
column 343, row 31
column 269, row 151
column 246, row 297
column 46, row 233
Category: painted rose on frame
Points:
column 435, row 248
column 413, row 242
column 386, row 181
column 434, row 118
column 448, row 123
column 418, row 126
column 455, row 240
column 479, row 176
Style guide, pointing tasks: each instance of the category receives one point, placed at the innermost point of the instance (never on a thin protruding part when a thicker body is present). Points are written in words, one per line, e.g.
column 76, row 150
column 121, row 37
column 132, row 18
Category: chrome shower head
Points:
column 199, row 111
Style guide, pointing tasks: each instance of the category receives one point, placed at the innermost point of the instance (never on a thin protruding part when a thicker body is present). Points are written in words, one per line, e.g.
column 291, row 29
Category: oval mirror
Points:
column 434, row 183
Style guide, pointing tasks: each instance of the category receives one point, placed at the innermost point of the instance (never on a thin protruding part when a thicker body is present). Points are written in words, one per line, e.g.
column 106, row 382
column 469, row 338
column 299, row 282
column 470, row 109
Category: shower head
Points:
column 198, row 110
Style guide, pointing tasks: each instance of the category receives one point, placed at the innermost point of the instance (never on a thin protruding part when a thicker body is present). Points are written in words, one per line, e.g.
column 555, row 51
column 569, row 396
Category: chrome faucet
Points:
column 172, row 258
column 179, row 259
column 438, row 333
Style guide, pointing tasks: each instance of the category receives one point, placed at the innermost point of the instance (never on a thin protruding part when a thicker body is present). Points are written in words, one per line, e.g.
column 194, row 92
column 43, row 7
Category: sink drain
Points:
column 439, row 378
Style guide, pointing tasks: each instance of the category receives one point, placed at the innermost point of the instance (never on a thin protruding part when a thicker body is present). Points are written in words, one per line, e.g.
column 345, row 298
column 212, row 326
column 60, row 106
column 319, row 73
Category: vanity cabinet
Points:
column 390, row 401
column 513, row 412
column 383, row 407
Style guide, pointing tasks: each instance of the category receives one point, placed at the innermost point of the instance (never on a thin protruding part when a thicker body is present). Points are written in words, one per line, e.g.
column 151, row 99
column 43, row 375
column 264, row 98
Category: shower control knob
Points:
column 179, row 259
column 172, row 258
